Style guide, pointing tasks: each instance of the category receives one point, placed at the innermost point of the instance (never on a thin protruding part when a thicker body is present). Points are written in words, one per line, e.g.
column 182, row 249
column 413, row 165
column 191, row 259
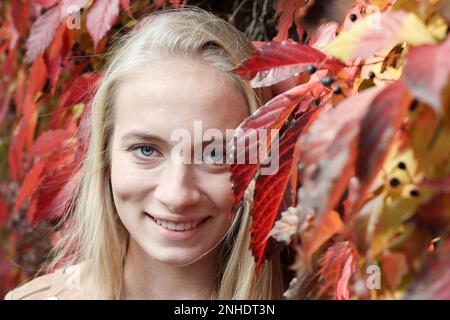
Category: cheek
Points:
column 219, row 191
column 127, row 181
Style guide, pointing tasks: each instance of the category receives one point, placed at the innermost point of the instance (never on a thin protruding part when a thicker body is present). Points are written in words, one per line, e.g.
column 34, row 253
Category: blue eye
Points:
column 215, row 158
column 147, row 150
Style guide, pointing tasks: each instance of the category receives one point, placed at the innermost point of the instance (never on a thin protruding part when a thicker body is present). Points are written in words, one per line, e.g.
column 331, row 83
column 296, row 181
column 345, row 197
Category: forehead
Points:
column 167, row 95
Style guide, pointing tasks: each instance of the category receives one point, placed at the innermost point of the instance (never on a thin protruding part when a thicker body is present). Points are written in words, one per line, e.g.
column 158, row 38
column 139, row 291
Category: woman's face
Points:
column 174, row 209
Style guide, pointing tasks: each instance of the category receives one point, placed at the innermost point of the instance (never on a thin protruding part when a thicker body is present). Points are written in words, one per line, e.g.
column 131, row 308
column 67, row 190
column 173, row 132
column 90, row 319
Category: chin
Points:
column 176, row 256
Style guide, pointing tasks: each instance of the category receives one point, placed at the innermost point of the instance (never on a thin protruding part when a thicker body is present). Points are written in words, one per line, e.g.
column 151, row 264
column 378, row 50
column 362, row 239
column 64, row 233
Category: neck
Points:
column 148, row 278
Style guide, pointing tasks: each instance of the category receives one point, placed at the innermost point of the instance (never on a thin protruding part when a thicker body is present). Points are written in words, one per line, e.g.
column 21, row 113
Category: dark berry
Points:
column 353, row 17
column 414, row 105
column 372, row 75
column 394, row 182
column 402, row 165
column 337, row 90
column 312, row 69
column 414, row 193
column 327, row 81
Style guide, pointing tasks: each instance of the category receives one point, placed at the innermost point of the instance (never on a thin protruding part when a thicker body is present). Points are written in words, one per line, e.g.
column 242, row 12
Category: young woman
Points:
column 141, row 224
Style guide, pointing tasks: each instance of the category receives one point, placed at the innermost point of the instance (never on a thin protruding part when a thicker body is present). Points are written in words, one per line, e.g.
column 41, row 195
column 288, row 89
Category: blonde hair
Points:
column 92, row 230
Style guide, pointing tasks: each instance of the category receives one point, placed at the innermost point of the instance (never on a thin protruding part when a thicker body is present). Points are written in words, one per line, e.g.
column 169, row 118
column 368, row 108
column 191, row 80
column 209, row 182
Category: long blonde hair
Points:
column 92, row 230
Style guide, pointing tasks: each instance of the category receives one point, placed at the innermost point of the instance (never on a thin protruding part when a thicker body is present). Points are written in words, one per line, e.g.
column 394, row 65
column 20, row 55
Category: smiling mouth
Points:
column 180, row 227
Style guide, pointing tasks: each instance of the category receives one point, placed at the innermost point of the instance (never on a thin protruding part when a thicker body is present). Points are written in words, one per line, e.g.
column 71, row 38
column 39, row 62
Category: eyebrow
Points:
column 140, row 135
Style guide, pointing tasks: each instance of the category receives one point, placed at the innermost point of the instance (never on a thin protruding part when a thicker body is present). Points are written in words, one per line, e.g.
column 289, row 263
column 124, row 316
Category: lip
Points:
column 178, row 235
column 176, row 220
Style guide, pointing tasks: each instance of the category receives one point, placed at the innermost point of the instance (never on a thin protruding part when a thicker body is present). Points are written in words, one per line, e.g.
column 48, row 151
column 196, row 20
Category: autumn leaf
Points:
column 378, row 130
column 271, row 116
column 42, row 33
column 336, row 268
column 320, row 233
column 428, row 138
column 434, row 215
column 270, row 187
column 30, row 183
column 444, row 10
column 100, row 18
column 385, row 223
column 275, row 62
column 379, row 31
column 339, row 140
column 427, row 74
column 329, row 151
column 395, row 267
column 438, row 184
column 15, row 151
column 49, row 141
column 434, row 280
column 3, row 212
column 287, row 8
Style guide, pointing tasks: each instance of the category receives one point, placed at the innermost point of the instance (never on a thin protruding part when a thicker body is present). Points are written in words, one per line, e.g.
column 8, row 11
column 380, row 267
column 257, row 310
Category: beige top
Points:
column 64, row 284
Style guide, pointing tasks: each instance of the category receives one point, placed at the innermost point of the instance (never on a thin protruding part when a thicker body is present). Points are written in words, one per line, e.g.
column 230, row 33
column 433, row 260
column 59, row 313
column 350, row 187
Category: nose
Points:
column 177, row 188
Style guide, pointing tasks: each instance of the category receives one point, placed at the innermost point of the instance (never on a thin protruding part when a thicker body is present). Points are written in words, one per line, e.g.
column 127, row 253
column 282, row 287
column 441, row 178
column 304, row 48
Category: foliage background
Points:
column 49, row 72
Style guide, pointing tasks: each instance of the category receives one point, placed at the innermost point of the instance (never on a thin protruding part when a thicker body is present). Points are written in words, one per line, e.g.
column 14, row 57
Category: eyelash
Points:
column 133, row 148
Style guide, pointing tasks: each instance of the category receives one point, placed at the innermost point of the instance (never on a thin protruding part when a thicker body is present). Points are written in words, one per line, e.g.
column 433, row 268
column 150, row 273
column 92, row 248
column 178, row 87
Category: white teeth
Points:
column 177, row 226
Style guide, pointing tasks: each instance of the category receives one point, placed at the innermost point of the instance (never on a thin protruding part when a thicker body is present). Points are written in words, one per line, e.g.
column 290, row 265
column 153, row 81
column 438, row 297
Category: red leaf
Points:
column 20, row 10
column 270, row 188
column 51, row 187
column 395, row 266
column 42, row 33
column 38, row 76
column 78, row 90
column 58, row 52
column 81, row 89
column 15, row 151
column 329, row 152
column 358, row 131
column 337, row 265
column 46, row 3
column 288, row 9
column 49, row 141
column 427, row 74
column 438, row 184
column 3, row 212
column 434, row 280
column 125, row 4
column 324, row 35
column 29, row 185
column 176, row 4
column 270, row 116
column 377, row 132
column 275, row 62
column 100, row 18
column 434, row 215
column 31, row 210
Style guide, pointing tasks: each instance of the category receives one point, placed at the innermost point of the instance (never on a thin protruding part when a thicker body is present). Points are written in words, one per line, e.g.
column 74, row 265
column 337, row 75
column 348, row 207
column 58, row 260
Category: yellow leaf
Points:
column 377, row 32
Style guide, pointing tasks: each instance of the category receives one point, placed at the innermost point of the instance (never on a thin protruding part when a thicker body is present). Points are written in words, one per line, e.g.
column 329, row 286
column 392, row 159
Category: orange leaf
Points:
column 328, row 227
column 30, row 183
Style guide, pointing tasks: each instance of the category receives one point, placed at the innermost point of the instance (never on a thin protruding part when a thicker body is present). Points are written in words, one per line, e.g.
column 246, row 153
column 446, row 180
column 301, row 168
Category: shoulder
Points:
column 65, row 283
